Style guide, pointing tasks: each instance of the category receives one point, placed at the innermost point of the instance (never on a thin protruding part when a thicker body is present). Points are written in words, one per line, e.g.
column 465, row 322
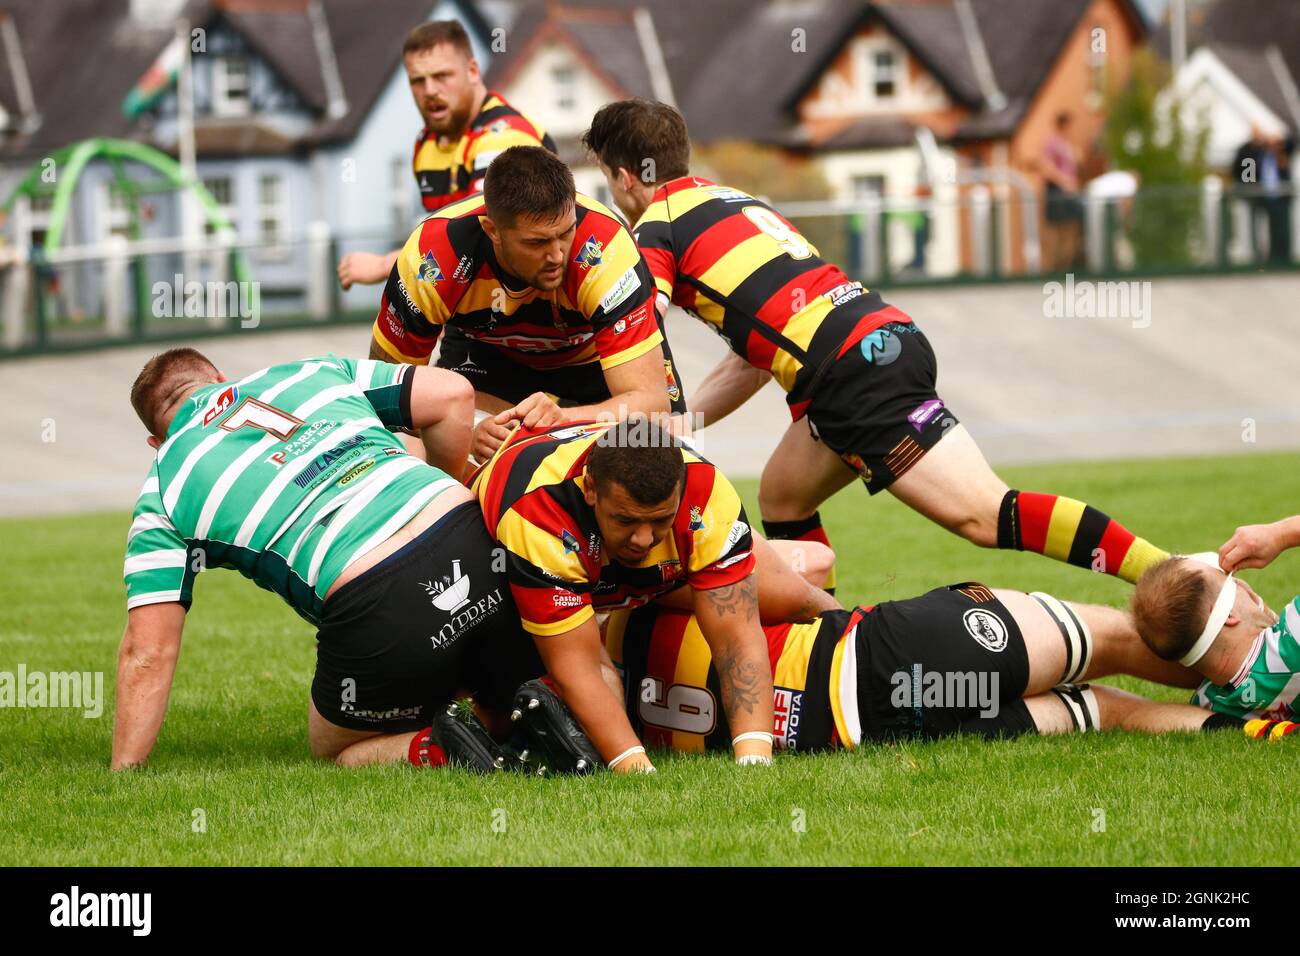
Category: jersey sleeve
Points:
column 551, row 586
column 617, row 296
column 159, row 567
column 722, row 551
column 412, row 311
column 655, row 240
column 387, row 388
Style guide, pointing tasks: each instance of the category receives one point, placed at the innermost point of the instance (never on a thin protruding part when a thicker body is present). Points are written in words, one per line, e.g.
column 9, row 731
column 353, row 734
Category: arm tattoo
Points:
column 739, row 681
column 738, row 678
column 377, row 354
column 740, row 598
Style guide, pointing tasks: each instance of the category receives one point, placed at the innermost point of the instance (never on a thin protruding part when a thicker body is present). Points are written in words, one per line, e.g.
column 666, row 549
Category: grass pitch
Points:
column 230, row 781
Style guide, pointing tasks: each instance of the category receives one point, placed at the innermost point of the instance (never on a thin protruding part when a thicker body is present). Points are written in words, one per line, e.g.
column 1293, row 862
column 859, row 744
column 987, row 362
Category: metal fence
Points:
column 120, row 291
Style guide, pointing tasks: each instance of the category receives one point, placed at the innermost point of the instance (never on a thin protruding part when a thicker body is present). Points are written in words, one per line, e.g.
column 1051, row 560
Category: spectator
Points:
column 1060, row 168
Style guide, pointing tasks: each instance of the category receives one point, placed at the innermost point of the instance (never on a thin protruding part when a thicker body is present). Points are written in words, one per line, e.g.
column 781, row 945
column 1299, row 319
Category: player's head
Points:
column 1183, row 606
column 638, row 144
column 633, row 480
column 443, row 75
column 164, row 382
column 531, row 214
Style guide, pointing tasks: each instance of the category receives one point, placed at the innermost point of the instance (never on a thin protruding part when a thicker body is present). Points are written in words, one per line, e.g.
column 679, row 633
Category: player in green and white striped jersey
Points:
column 293, row 476
column 1188, row 609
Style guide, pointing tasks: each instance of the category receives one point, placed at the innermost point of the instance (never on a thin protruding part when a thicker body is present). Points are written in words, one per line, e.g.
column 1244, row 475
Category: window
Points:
column 565, row 80
column 864, row 186
column 272, row 214
column 230, row 86
column 222, row 191
column 884, row 74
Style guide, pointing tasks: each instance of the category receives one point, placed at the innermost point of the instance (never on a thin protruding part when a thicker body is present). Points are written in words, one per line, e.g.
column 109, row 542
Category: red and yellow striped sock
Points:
column 1270, row 729
column 1073, row 532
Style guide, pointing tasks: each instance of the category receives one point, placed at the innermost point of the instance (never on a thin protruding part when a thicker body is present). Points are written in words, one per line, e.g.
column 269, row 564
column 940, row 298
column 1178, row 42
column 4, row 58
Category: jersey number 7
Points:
column 254, row 414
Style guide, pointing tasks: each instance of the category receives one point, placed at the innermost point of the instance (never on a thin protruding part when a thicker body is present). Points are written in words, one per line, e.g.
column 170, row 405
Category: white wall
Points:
column 534, row 91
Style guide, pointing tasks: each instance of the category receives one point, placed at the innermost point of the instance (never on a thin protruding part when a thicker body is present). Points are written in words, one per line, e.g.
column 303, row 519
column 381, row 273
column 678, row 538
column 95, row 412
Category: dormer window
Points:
column 230, row 86
column 884, row 74
column 565, row 79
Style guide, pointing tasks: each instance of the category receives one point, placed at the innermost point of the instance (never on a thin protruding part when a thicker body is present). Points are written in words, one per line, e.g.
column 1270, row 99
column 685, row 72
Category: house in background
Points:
column 302, row 115
column 856, row 86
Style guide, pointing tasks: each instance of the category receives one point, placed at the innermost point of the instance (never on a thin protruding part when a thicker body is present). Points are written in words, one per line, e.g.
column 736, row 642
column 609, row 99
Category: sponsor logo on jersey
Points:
column 670, row 570
column 845, row 292
column 620, row 326
column 564, row 598
column 429, row 270
column 727, row 194
column 451, row 593
column 987, row 628
column 220, row 403
column 787, row 706
column 593, row 545
column 881, row 347
column 697, row 519
column 738, row 530
column 922, row 414
column 734, row 559
column 571, row 544
column 627, row 283
column 590, row 254
column 327, row 459
column 464, row 269
column 356, row 471
column 377, row 715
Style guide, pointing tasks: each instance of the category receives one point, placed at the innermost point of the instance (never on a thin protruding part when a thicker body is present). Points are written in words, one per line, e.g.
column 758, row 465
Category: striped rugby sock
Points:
column 1270, row 729
column 1073, row 532
column 807, row 529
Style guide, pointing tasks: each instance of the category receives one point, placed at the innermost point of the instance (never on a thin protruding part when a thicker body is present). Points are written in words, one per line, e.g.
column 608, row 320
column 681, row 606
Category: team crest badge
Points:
column 430, row 271
column 697, row 519
column 571, row 544
column 590, row 253
column 670, row 570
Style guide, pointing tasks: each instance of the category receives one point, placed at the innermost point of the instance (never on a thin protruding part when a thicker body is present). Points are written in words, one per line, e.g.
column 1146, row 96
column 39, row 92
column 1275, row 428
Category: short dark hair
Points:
column 641, row 458
column 435, row 33
column 1171, row 604
column 628, row 133
column 527, row 181
column 161, row 376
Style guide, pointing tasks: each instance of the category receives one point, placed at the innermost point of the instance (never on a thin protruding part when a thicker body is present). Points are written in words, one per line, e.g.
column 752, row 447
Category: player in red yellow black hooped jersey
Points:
column 595, row 516
column 549, row 290
column 860, row 376
column 958, row 659
column 466, row 126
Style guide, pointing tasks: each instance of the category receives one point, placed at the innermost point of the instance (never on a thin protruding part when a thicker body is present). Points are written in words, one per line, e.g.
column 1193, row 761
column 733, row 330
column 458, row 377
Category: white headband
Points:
column 1218, row 614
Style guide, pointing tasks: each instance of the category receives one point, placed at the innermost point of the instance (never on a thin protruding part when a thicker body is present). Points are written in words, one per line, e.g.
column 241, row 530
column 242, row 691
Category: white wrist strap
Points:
column 752, row 735
column 638, row 749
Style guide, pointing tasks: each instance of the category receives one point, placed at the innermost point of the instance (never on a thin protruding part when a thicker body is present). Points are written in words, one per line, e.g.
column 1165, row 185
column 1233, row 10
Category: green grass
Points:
column 234, row 745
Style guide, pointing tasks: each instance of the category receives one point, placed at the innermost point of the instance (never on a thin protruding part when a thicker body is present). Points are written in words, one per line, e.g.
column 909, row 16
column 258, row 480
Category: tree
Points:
column 1146, row 134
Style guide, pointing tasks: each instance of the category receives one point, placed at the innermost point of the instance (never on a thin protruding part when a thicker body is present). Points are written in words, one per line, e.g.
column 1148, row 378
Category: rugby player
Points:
column 1188, row 609
column 293, row 476
column 959, row 659
column 465, row 126
column 859, row 375
column 551, row 293
column 598, row 516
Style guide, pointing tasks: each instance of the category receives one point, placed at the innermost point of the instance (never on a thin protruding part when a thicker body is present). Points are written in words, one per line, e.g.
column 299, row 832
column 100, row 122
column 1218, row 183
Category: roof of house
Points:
column 101, row 38
column 738, row 74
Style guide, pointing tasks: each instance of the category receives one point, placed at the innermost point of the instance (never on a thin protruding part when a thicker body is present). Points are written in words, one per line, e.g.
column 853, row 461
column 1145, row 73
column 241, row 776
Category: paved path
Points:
column 1217, row 352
